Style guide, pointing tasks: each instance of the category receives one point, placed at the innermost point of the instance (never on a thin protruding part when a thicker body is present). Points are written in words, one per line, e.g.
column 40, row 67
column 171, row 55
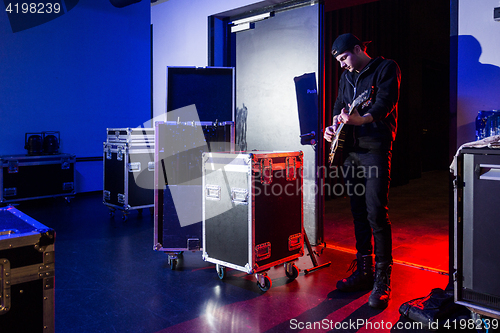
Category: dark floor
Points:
column 419, row 213
column 109, row 278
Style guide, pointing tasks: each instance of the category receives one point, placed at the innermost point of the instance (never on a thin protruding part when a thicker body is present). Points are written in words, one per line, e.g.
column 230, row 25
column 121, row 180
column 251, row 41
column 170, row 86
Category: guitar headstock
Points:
column 361, row 98
column 364, row 97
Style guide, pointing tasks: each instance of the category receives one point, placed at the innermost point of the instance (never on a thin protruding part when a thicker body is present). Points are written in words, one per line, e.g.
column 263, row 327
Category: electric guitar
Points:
column 338, row 138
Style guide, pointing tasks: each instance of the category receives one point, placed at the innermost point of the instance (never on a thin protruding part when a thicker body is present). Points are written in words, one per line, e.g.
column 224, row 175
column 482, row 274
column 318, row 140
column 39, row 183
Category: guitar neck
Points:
column 339, row 130
column 352, row 108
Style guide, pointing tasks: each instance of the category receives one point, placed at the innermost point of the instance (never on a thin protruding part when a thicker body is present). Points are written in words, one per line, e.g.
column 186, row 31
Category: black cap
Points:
column 346, row 42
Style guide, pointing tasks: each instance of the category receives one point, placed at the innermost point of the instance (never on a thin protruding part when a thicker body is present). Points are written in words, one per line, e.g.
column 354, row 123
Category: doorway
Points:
column 416, row 36
column 275, row 53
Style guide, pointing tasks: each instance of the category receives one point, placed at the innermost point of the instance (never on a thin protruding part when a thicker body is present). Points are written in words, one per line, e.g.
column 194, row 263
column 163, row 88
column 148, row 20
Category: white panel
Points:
column 268, row 58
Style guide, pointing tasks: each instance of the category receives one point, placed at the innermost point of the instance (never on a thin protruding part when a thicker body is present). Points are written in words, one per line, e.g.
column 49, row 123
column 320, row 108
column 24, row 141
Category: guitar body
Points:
column 337, row 143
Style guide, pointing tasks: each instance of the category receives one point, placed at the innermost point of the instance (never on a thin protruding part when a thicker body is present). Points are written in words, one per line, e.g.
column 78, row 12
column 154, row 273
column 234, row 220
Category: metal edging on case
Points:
column 157, row 245
column 44, row 269
column 467, row 170
column 25, row 160
column 204, row 157
column 251, row 214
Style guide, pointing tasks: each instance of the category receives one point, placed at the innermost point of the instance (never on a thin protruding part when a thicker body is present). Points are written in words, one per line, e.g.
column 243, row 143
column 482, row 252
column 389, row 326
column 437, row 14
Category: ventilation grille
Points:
column 484, row 299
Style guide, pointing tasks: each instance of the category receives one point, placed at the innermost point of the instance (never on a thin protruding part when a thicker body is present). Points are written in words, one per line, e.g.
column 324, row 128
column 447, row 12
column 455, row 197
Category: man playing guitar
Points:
column 367, row 104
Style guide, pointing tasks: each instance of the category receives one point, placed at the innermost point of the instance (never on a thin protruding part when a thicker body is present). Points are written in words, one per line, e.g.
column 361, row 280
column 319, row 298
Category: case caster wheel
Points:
column 124, row 216
column 264, row 282
column 111, row 213
column 291, row 270
column 172, row 261
column 221, row 271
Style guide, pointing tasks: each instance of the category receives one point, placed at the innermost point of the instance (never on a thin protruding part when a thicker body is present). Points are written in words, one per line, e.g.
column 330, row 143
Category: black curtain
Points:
column 416, row 35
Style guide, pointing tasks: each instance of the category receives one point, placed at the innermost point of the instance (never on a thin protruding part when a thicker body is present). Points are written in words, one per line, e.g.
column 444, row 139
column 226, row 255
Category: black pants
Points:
column 367, row 179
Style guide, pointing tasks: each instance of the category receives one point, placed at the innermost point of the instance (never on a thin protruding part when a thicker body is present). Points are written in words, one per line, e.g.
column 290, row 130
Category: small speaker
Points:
column 34, row 145
column 50, row 144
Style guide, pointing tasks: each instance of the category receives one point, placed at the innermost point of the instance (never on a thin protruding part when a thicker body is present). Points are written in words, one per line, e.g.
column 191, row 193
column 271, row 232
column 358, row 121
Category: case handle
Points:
column 213, row 192
column 295, row 242
column 239, row 196
column 291, row 168
column 488, row 171
column 134, row 167
column 263, row 251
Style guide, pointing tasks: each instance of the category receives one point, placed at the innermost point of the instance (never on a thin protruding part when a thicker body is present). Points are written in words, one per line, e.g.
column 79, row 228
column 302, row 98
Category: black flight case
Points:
column 26, row 177
column 128, row 175
column 252, row 212
column 27, row 274
column 178, row 191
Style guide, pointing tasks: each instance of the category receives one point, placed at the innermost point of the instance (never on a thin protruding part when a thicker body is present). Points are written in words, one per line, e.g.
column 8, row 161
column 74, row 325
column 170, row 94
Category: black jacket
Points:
column 381, row 77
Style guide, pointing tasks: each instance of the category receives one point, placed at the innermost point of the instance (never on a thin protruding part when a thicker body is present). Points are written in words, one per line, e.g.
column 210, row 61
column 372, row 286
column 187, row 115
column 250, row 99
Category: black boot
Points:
column 361, row 278
column 381, row 294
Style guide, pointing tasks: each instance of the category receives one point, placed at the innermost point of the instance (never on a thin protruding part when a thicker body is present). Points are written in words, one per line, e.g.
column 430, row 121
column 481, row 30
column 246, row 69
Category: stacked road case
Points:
column 128, row 169
column 26, row 177
column 476, row 232
column 26, row 273
column 252, row 212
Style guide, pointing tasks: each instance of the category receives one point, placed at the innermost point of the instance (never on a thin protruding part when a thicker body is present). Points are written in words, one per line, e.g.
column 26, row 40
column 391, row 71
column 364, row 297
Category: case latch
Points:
column 291, row 168
column 266, row 171
column 263, row 251
column 10, row 192
column 13, row 166
column 65, row 163
column 109, row 155
column 119, row 154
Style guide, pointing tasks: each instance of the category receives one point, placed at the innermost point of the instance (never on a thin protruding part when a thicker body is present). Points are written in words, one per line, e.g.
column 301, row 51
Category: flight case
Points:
column 25, row 177
column 179, row 147
column 128, row 176
column 252, row 212
column 26, row 273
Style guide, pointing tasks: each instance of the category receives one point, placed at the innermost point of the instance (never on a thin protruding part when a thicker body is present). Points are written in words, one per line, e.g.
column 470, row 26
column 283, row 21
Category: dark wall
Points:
column 416, row 35
column 79, row 72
